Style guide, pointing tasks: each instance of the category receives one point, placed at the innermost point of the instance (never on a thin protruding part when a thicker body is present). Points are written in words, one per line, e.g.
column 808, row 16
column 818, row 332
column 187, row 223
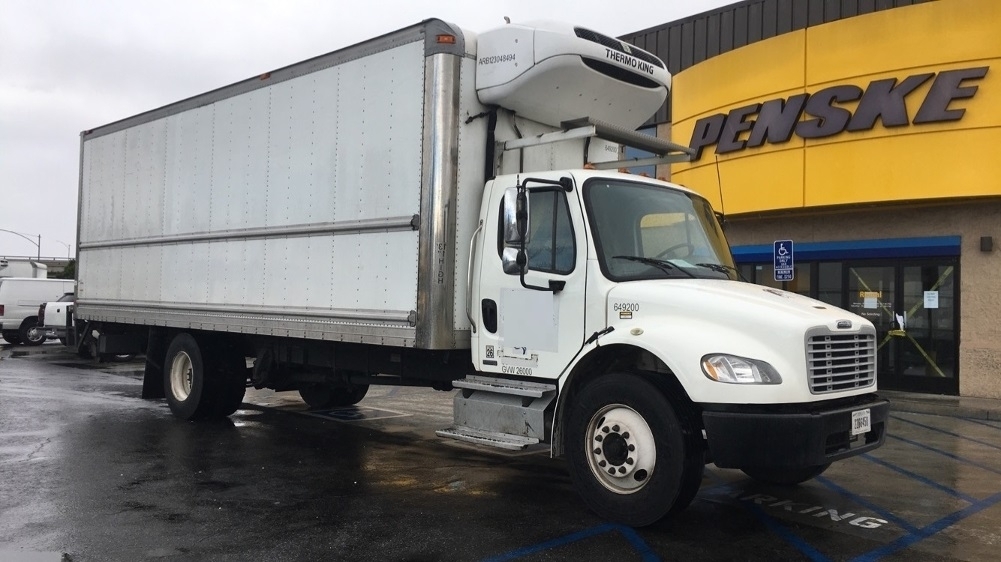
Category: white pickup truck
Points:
column 57, row 316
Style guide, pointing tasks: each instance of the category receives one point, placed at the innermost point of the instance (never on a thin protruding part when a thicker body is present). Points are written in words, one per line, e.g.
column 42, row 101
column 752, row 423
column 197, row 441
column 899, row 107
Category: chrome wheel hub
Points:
column 620, row 449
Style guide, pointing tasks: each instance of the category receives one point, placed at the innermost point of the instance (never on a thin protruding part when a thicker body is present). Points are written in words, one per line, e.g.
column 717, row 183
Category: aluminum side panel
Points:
column 296, row 195
column 424, row 32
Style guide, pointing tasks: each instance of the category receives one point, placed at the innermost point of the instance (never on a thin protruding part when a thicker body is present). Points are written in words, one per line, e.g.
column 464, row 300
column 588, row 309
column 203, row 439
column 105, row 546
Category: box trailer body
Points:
column 323, row 200
column 435, row 207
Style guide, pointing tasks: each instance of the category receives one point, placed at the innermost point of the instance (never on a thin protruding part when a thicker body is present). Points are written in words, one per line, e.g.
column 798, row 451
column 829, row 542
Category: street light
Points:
column 25, row 236
column 67, row 248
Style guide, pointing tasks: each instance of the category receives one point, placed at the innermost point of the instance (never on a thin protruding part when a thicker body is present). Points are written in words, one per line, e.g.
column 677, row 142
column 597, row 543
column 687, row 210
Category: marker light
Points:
column 445, row 39
column 739, row 370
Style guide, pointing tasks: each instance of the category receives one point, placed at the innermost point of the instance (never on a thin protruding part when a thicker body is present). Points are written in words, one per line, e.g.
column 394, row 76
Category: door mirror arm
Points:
column 522, row 220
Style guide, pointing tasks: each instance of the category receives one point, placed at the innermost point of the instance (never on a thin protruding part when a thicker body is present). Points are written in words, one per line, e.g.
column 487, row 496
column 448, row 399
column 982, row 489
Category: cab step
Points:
column 493, row 439
column 505, row 413
column 504, row 386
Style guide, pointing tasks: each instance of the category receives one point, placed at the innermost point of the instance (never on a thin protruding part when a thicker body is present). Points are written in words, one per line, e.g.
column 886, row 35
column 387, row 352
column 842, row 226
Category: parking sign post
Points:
column 782, row 255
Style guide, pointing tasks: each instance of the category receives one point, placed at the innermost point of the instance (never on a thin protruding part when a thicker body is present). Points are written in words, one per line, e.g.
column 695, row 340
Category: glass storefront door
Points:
column 913, row 306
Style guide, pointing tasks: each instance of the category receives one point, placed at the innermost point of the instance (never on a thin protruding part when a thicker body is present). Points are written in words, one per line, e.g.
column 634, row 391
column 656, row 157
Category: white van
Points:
column 19, row 301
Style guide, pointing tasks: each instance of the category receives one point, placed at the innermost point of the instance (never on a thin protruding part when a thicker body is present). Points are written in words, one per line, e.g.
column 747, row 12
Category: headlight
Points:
column 739, row 370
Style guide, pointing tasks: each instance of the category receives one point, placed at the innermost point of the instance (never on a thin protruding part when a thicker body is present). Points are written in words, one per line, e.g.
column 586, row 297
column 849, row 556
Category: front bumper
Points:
column 791, row 435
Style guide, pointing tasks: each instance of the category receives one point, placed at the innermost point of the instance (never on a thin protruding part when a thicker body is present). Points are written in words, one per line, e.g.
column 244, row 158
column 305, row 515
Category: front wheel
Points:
column 30, row 333
column 628, row 456
column 785, row 476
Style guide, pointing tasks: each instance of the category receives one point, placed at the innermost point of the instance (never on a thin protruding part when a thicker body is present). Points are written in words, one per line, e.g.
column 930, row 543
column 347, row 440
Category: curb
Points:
column 950, row 406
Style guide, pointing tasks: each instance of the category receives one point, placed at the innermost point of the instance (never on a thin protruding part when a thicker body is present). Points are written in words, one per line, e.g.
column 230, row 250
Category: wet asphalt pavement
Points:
column 89, row 471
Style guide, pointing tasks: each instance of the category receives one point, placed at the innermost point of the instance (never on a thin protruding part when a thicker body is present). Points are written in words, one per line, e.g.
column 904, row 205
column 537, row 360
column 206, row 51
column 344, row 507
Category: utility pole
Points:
column 38, row 244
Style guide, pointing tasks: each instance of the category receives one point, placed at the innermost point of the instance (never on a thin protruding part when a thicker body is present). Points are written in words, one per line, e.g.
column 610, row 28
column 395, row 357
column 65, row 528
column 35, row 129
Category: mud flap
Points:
column 156, row 354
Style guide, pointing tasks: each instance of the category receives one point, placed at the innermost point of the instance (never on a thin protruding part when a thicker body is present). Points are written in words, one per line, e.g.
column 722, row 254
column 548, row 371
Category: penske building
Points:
column 867, row 133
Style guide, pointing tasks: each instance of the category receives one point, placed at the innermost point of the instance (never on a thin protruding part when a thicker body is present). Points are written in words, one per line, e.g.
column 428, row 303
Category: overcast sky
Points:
column 71, row 65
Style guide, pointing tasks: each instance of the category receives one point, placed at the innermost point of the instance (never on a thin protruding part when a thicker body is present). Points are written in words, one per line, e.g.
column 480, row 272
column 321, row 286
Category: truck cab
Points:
column 618, row 295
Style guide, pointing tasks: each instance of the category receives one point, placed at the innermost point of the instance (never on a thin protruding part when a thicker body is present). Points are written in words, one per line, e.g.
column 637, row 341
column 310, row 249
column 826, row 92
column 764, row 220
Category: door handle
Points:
column 489, row 309
column 469, row 276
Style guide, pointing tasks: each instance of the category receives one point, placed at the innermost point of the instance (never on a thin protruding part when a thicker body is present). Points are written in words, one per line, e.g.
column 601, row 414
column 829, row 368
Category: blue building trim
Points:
column 931, row 246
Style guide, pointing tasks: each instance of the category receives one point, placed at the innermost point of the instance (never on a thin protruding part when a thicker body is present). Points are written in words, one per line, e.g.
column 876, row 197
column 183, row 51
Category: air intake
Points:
column 616, row 45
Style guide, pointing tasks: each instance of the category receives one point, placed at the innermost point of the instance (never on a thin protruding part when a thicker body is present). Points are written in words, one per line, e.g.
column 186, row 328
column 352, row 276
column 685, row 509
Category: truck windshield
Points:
column 645, row 231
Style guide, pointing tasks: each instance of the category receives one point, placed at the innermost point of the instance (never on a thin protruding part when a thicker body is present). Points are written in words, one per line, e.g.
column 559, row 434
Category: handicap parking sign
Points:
column 782, row 255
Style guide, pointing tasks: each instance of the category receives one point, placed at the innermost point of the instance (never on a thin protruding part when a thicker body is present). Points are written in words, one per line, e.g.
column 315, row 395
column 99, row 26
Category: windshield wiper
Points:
column 663, row 265
column 721, row 268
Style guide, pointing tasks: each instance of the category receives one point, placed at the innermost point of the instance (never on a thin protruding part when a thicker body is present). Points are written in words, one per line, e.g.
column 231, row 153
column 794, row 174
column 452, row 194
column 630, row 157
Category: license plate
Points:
column 861, row 422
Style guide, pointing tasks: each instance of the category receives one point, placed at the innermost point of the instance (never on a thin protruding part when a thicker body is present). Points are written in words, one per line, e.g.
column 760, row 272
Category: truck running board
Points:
column 504, row 413
column 499, row 440
column 505, row 386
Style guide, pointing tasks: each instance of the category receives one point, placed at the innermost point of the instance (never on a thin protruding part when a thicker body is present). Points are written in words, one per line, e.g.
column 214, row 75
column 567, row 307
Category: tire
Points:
column 321, row 396
column 11, row 337
column 184, row 385
column 229, row 377
column 623, row 423
column 691, row 478
column 781, row 476
column 200, row 385
column 30, row 333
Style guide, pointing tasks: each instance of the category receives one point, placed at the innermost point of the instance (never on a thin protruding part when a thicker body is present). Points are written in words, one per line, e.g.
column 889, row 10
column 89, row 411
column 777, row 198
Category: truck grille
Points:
column 837, row 362
column 616, row 45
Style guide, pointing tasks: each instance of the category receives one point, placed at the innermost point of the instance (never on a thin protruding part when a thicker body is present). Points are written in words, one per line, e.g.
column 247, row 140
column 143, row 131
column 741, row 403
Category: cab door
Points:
column 531, row 329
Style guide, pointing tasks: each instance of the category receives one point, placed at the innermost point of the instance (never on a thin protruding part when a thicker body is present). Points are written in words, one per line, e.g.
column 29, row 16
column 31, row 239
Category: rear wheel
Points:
column 184, row 379
column 30, row 333
column 785, row 476
column 201, row 385
column 230, row 380
column 628, row 457
column 11, row 336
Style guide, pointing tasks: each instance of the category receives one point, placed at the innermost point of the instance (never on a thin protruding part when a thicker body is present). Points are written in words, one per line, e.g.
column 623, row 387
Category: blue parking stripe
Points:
column 867, row 504
column 639, row 545
column 947, row 454
column 919, row 478
column 787, row 535
column 933, row 428
column 930, row 530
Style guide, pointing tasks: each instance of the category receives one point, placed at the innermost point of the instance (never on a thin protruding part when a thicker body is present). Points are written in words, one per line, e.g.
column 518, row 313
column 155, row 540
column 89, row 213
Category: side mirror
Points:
column 513, row 258
column 721, row 219
column 509, row 259
column 515, row 217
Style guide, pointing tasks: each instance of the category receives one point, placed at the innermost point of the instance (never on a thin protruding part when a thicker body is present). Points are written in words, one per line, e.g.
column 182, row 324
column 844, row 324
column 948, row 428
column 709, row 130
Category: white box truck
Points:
column 435, row 207
column 23, row 267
